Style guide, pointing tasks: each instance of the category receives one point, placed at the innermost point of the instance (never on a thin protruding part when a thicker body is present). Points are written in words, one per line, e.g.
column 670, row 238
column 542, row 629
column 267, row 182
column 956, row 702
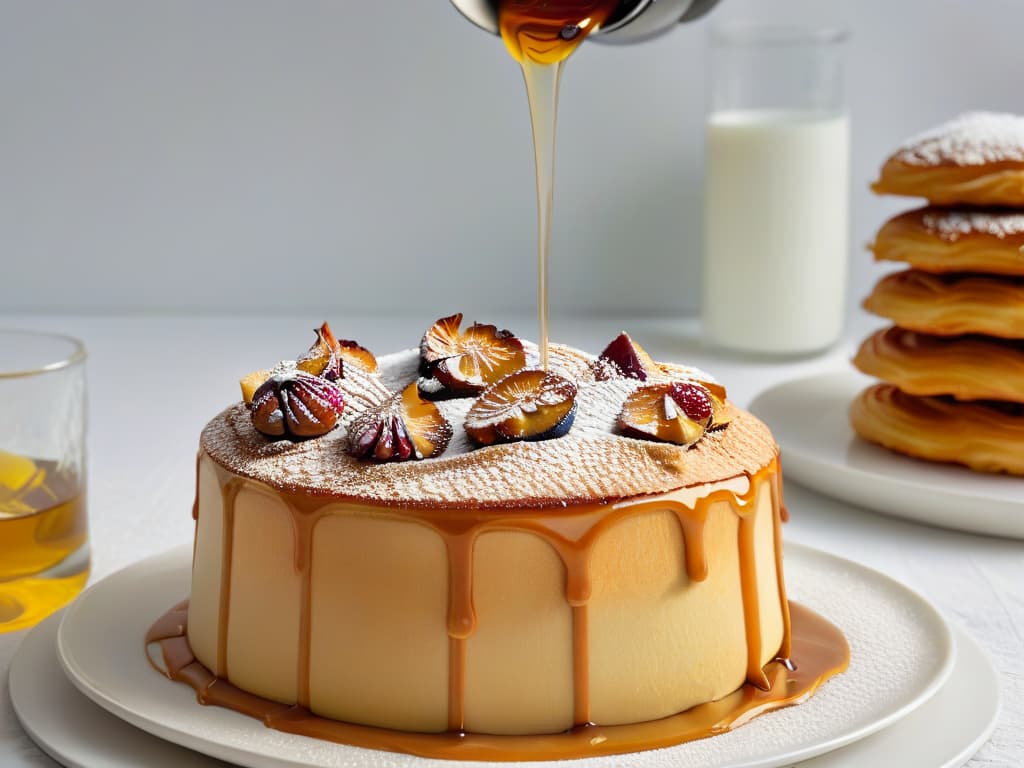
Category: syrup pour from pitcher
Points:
column 541, row 35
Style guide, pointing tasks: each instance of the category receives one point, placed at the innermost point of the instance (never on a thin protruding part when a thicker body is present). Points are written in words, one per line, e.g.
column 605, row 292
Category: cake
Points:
column 552, row 576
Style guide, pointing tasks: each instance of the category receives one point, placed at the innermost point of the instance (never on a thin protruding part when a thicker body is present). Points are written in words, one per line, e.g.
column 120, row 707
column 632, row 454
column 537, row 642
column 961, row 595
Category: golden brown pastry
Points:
column 951, row 305
column 987, row 437
column 954, row 240
column 964, row 367
column 976, row 159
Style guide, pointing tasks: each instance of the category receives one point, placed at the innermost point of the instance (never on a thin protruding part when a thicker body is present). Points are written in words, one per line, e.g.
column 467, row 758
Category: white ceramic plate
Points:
column 73, row 730
column 902, row 653
column 820, row 450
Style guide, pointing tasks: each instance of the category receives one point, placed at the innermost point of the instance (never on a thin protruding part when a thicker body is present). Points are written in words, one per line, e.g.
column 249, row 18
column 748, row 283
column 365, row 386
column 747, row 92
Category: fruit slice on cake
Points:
column 526, row 405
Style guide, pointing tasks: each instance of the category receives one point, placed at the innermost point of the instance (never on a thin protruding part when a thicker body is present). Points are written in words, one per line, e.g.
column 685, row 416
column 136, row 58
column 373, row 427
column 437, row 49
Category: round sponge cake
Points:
column 522, row 588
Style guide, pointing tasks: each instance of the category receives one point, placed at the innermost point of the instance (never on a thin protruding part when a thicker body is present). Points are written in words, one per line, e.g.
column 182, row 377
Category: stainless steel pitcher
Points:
column 632, row 21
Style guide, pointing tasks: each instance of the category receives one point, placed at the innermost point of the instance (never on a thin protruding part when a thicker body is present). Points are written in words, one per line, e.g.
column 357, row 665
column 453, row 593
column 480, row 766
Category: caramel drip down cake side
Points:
column 518, row 568
column 477, row 590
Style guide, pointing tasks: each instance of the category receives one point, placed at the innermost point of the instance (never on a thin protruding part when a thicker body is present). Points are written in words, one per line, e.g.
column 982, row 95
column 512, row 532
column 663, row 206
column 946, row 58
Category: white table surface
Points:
column 155, row 380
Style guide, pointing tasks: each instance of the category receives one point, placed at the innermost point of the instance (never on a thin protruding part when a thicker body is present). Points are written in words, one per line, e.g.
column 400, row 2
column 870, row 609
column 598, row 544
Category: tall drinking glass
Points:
column 776, row 190
column 44, row 550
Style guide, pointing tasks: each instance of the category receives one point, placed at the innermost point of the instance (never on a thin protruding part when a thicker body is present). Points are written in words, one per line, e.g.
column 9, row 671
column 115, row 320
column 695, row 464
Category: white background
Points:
column 333, row 155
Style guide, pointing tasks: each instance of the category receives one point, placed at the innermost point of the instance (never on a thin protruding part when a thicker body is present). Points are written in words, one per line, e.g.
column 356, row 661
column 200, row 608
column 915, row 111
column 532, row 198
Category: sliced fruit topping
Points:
column 442, row 340
column 296, row 406
column 403, row 427
column 673, row 412
column 328, row 356
column 623, row 358
column 676, row 372
column 465, row 362
column 322, row 359
column 357, row 356
column 721, row 412
column 251, row 382
column 525, row 405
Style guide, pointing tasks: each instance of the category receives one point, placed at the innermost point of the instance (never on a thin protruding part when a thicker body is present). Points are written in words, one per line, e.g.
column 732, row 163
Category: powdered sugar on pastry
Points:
column 951, row 224
column 974, row 138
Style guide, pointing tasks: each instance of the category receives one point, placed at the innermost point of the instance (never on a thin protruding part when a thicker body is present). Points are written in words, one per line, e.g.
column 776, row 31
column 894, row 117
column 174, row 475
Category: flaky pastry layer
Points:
column 999, row 184
column 963, row 367
column 976, row 158
column 984, row 437
column 954, row 240
column 951, row 304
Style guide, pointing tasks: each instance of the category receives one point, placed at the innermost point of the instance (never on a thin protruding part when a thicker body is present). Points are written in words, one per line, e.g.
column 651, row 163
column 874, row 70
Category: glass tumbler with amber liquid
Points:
column 44, row 547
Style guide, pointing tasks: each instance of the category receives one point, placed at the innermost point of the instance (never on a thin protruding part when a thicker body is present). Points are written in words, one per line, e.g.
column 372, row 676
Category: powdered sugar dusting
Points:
column 591, row 463
column 951, row 224
column 974, row 138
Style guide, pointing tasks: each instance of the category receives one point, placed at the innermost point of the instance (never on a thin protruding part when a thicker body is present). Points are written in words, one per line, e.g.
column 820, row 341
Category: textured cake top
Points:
column 974, row 138
column 593, row 462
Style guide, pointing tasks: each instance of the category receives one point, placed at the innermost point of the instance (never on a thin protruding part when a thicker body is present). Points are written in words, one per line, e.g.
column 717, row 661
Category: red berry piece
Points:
column 296, row 406
column 692, row 399
column 526, row 405
column 673, row 412
column 401, row 428
column 464, row 363
column 623, row 358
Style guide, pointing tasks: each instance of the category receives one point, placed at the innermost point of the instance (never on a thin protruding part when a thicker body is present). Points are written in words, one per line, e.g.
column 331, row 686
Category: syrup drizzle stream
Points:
column 303, row 523
column 541, row 36
column 786, row 650
column 542, row 83
column 229, row 492
column 461, row 621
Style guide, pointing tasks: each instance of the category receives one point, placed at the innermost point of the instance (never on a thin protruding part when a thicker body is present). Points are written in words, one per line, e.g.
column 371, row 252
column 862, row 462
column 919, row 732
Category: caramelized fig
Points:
column 401, row 428
column 623, row 358
column 466, row 362
column 322, row 359
column 526, row 405
column 673, row 412
column 296, row 406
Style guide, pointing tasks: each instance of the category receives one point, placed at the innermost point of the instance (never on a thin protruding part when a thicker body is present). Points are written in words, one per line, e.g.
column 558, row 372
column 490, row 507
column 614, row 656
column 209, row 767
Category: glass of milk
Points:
column 776, row 190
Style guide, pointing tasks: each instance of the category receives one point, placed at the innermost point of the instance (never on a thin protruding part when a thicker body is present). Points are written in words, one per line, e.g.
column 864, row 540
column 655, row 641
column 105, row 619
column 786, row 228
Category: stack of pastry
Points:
column 952, row 365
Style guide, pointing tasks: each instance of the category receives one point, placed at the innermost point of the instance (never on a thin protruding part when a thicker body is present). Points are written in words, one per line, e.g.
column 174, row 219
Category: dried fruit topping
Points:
column 623, row 358
column 403, row 427
column 721, row 412
column 322, row 359
column 328, row 356
column 465, row 362
column 526, row 405
column 251, row 382
column 673, row 412
column 296, row 405
column 357, row 356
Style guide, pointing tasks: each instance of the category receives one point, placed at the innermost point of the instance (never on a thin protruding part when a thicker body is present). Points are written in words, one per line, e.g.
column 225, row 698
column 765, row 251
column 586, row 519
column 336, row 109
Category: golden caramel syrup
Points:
column 42, row 523
column 819, row 652
column 540, row 35
column 811, row 650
